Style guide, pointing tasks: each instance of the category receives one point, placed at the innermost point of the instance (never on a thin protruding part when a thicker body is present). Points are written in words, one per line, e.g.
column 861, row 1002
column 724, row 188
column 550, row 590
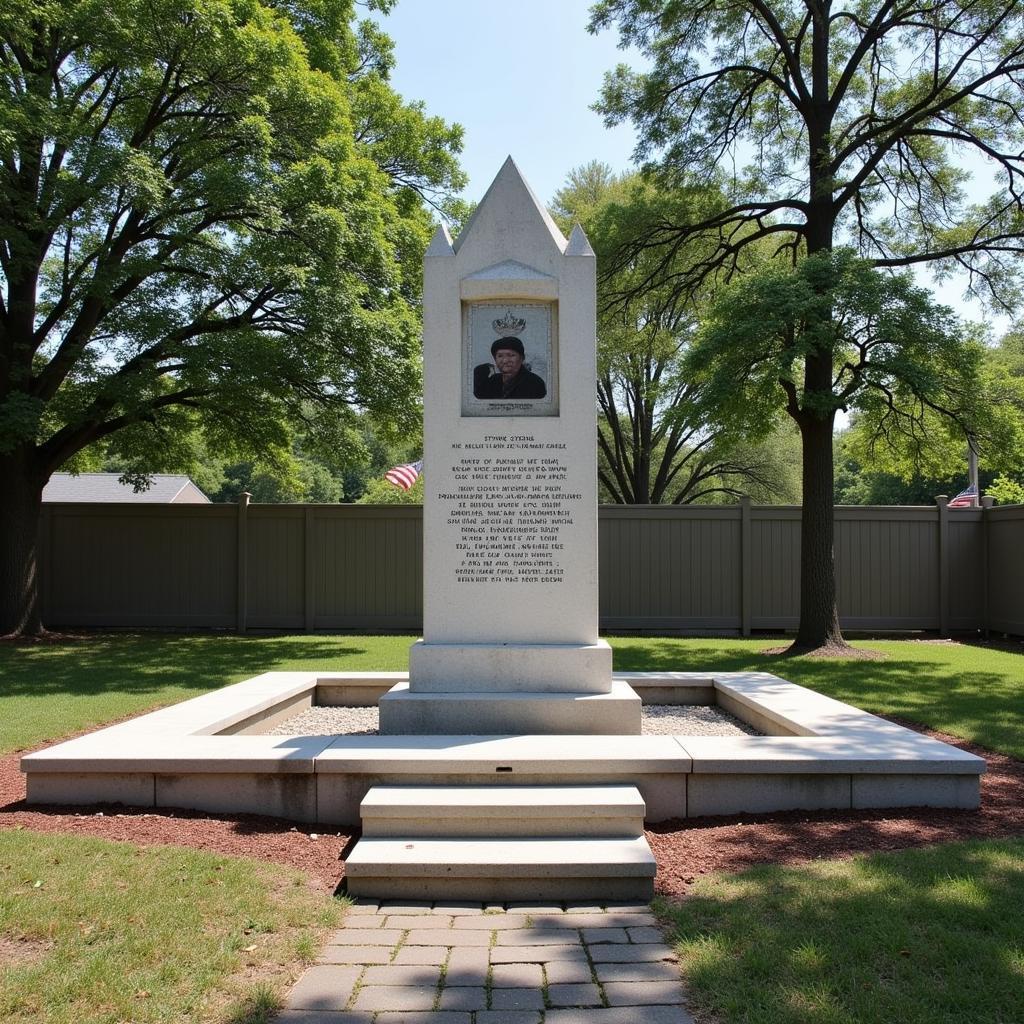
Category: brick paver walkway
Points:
column 467, row 963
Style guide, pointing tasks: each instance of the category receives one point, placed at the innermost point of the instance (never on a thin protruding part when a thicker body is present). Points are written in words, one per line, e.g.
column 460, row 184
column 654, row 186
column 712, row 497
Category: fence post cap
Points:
column 244, row 498
column 942, row 500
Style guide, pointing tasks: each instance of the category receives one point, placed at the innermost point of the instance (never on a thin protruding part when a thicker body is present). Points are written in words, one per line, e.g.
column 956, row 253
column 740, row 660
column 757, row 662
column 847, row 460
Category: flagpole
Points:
column 972, row 472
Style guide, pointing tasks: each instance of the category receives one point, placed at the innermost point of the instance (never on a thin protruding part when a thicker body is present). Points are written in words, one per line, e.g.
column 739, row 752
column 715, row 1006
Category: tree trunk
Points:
column 20, row 609
column 819, row 615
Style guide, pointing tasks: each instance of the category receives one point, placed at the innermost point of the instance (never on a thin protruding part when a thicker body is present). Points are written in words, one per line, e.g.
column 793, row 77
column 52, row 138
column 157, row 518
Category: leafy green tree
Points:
column 858, row 484
column 212, row 216
column 828, row 125
column 897, row 358
column 656, row 443
column 931, row 459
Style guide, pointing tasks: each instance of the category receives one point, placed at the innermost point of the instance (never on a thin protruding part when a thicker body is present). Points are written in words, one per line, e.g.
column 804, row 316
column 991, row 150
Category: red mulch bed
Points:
column 684, row 849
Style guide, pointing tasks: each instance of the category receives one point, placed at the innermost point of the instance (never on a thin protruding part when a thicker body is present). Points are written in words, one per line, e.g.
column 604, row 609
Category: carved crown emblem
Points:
column 509, row 325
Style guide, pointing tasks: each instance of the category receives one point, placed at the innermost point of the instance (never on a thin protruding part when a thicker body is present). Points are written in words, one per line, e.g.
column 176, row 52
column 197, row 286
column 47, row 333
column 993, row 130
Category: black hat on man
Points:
column 511, row 343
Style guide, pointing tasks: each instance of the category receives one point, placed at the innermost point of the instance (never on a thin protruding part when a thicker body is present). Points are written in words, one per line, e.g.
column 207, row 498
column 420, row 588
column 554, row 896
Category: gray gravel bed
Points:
column 657, row 720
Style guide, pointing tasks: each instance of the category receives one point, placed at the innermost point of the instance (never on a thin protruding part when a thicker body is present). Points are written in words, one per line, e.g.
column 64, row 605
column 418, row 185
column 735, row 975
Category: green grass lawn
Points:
column 974, row 692
column 50, row 690
column 932, row 936
column 94, row 931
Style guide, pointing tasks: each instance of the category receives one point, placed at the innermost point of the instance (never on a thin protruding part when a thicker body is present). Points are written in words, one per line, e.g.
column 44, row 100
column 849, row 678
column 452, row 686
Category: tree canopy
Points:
column 828, row 123
column 826, row 126
column 933, row 455
column 213, row 214
column 657, row 443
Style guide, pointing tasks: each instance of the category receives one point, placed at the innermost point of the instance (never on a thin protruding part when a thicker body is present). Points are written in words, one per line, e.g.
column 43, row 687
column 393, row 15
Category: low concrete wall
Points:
column 826, row 754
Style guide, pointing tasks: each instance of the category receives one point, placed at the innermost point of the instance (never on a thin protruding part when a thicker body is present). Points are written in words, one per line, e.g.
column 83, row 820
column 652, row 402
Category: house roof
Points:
column 166, row 488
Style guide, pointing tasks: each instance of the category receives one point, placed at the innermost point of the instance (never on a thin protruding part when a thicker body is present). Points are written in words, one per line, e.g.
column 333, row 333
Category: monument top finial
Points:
column 579, row 244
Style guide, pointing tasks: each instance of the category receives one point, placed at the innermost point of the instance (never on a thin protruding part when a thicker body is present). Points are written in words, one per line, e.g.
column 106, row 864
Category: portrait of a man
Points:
column 513, row 378
column 510, row 357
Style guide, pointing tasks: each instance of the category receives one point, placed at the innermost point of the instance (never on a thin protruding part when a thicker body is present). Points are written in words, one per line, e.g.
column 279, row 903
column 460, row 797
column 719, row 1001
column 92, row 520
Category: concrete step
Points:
column 501, row 869
column 405, row 712
column 495, row 811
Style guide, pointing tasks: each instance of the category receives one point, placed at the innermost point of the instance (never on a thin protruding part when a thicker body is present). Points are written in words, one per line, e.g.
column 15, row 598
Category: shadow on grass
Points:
column 147, row 663
column 933, row 935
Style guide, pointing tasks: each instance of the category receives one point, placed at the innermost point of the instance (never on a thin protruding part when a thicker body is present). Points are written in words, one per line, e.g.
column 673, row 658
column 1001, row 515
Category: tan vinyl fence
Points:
column 689, row 569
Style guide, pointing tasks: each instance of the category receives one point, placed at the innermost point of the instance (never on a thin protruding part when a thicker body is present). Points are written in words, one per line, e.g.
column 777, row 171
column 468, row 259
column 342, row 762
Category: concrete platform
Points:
column 501, row 869
column 204, row 753
column 406, row 712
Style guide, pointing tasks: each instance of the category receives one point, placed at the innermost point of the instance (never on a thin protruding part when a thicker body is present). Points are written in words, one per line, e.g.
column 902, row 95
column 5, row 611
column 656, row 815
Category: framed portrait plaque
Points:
column 509, row 358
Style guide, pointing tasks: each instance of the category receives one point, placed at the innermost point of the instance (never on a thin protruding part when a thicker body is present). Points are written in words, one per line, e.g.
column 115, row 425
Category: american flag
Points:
column 404, row 476
column 965, row 499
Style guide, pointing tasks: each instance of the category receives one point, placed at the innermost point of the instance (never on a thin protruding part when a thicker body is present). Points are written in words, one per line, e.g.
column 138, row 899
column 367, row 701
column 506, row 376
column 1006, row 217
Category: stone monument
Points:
column 510, row 610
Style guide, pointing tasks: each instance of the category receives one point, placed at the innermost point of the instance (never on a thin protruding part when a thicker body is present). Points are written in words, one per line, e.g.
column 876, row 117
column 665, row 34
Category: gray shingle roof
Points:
column 166, row 488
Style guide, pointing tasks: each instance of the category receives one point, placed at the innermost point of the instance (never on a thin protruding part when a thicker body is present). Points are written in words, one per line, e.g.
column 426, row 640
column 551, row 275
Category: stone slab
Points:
column 643, row 971
column 414, row 975
column 356, row 954
column 613, row 953
column 500, row 868
column 467, row 965
column 505, row 667
column 907, row 752
column 643, row 993
column 761, row 793
column 447, row 937
column 173, row 752
column 621, row 1015
column 395, row 997
column 517, row 999
column 323, row 1017
column 324, row 987
column 282, row 796
column 508, row 1017
column 936, row 790
column 560, row 972
column 563, row 755
column 490, row 811
column 583, row 994
column 405, row 712
column 489, row 801
column 464, row 997
column 526, row 858
column 127, row 788
column 421, row 956
column 537, row 937
column 571, row 953
column 517, row 976
column 424, row 1017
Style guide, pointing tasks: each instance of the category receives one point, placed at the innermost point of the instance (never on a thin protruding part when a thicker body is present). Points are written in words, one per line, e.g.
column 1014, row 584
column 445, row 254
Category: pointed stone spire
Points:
column 579, row 244
column 441, row 243
column 509, row 199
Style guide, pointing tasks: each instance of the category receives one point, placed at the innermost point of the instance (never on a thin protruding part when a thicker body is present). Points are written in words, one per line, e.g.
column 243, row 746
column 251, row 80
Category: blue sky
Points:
column 519, row 76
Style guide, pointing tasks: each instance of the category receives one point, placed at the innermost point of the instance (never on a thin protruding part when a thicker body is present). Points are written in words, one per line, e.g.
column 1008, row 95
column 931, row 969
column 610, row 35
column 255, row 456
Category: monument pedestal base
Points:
column 501, row 713
column 533, row 668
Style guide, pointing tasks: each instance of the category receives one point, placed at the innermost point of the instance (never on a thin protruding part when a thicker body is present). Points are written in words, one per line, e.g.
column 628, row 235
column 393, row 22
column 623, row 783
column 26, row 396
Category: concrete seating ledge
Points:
column 205, row 754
